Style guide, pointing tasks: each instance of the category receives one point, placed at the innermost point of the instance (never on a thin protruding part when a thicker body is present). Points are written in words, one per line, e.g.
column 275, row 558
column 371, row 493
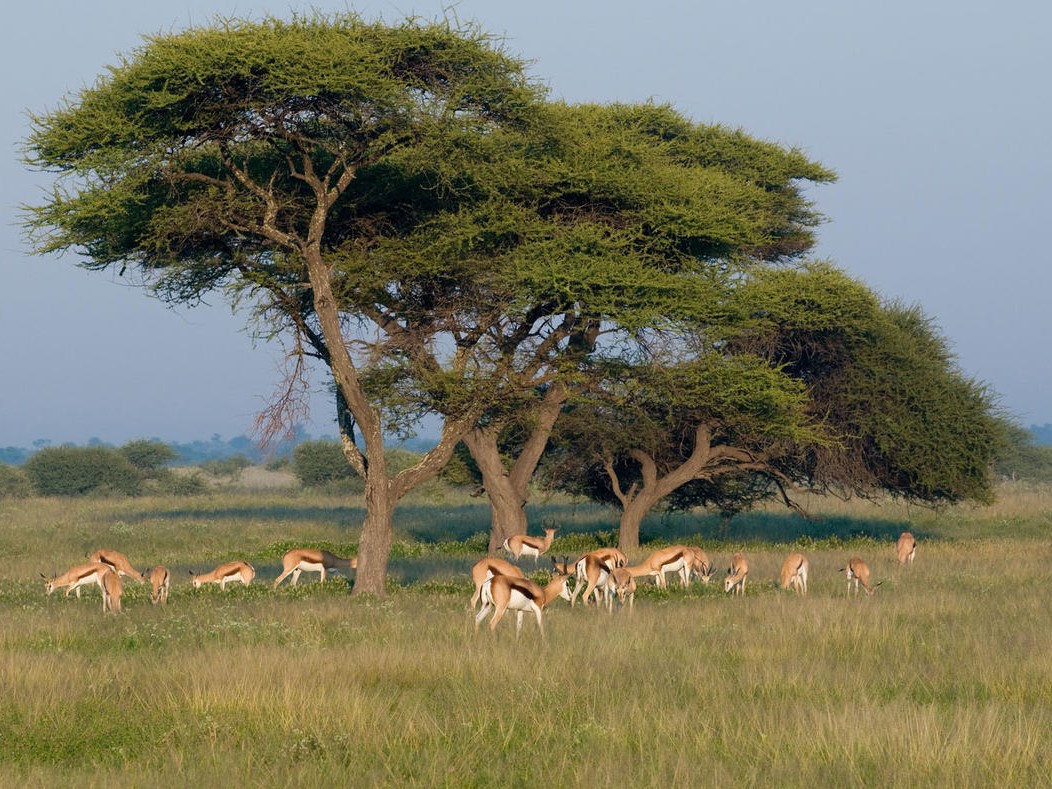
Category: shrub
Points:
column 227, row 467
column 14, row 483
column 148, row 456
column 73, row 471
column 169, row 483
column 320, row 464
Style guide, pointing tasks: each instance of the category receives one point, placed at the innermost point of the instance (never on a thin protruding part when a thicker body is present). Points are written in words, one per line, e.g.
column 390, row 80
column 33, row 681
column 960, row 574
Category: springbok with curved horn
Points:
column 502, row 593
column 700, row 565
column 623, row 584
column 906, row 548
column 242, row 572
column 736, row 575
column 794, row 573
column 674, row 559
column 857, row 572
column 519, row 545
column 75, row 577
column 312, row 560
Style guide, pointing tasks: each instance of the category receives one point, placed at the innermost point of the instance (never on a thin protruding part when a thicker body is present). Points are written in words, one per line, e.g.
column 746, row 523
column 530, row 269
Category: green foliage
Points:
column 320, row 463
column 14, row 483
column 72, row 471
column 149, row 457
column 1021, row 457
column 229, row 467
column 169, row 483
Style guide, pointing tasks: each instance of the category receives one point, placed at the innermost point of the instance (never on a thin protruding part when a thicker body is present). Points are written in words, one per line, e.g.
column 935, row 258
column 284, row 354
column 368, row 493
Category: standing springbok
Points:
column 519, row 545
column 857, row 572
column 112, row 589
column 118, row 562
column 502, row 592
column 486, row 568
column 907, row 548
column 736, row 575
column 75, row 577
column 312, row 560
column 160, row 583
column 231, row 571
column 593, row 576
column 701, row 566
column 623, row 584
column 794, row 573
column 674, row 559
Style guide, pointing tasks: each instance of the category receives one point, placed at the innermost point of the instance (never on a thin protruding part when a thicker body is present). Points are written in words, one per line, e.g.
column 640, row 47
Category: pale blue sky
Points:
column 936, row 115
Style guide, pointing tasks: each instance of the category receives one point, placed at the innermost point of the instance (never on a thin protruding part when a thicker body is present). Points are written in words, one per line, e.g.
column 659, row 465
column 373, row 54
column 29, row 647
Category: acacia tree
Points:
column 282, row 164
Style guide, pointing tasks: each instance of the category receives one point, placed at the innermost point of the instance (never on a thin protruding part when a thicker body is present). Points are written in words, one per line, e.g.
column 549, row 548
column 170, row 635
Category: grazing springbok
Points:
column 486, row 568
column 701, row 566
column 736, row 575
column 674, row 559
column 794, row 573
column 623, row 584
column 907, row 548
column 312, row 560
column 231, row 571
column 160, row 583
column 857, row 572
column 593, row 576
column 519, row 545
column 118, row 562
column 502, row 593
column 75, row 577
column 112, row 589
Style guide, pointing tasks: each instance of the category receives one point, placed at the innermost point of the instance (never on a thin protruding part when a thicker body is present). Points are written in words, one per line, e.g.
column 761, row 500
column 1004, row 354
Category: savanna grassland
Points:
column 943, row 678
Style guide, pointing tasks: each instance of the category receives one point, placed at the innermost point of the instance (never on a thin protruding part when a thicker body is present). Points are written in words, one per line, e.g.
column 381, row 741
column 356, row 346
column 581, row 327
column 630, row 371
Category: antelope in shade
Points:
column 857, row 572
column 794, row 573
column 674, row 559
column 623, row 584
column 519, row 545
column 502, row 593
column 313, row 560
column 736, row 575
column 75, row 577
column 486, row 568
column 907, row 548
column 242, row 572
column 160, row 584
column 118, row 562
column 112, row 589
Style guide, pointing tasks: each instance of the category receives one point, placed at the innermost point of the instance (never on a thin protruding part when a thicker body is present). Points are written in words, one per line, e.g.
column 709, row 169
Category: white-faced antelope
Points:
column 794, row 573
column 112, row 589
column 857, row 572
column 312, row 560
column 502, row 593
column 242, row 572
column 623, row 584
column 118, row 562
column 736, row 575
column 906, row 548
column 486, row 568
column 160, row 584
column 519, row 545
column 89, row 574
column 674, row 559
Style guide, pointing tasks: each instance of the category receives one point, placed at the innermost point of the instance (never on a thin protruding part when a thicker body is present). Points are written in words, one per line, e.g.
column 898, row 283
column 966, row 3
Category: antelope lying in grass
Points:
column 160, row 583
column 118, row 562
column 794, row 573
column 231, row 571
column 89, row 574
column 907, row 548
column 857, row 572
column 736, row 575
column 486, row 568
column 674, row 559
column 312, row 560
column 502, row 593
column 519, row 545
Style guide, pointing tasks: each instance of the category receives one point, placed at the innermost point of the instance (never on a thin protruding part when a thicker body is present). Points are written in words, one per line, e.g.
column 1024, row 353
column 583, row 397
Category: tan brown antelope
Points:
column 794, row 573
column 160, row 584
column 112, row 589
column 623, row 584
column 736, row 575
column 593, row 575
column 674, row 559
column 857, row 572
column 907, row 548
column 486, row 568
column 519, row 545
column 502, row 593
column 700, row 565
column 312, row 560
column 89, row 574
column 242, row 572
column 119, row 562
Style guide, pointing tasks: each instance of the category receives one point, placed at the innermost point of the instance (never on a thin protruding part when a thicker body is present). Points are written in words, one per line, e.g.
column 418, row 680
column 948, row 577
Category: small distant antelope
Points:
column 674, row 559
column 112, row 589
column 160, row 583
column 231, row 571
column 118, row 562
column 736, row 574
column 623, row 584
column 486, row 568
column 519, row 545
column 312, row 560
column 501, row 593
column 701, row 566
column 907, row 548
column 794, row 573
column 75, row 577
column 857, row 572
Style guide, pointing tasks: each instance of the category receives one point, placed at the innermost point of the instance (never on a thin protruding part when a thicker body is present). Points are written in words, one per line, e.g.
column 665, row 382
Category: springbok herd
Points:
column 600, row 576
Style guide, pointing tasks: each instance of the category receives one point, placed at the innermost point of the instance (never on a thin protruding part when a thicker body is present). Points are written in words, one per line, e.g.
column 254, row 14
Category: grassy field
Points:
column 943, row 678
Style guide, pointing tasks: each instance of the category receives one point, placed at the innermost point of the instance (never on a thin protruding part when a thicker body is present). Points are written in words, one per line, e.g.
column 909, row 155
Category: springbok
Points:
column 160, row 583
column 674, row 559
column 736, row 575
column 907, row 548
column 118, row 562
column 486, row 568
column 502, row 592
column 231, row 571
column 593, row 575
column 519, row 545
column 112, row 589
column 857, row 572
column 701, row 566
column 794, row 573
column 623, row 584
column 76, row 577
column 312, row 560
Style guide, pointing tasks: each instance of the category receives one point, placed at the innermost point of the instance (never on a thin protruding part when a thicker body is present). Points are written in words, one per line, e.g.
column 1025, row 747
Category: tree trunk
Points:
column 508, row 513
column 377, row 537
column 632, row 516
